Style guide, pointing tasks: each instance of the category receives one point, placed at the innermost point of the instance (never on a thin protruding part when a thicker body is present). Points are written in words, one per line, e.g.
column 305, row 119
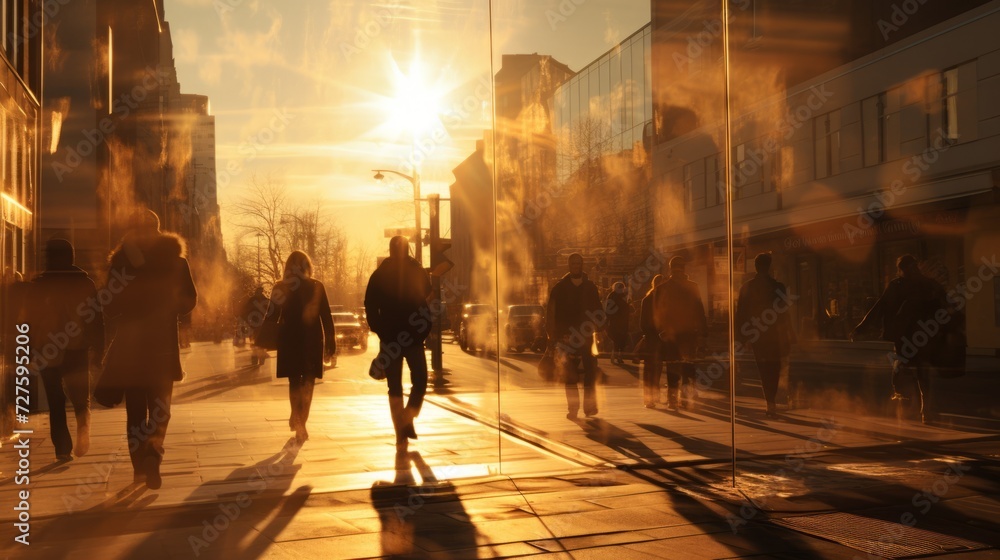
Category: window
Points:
column 949, row 104
column 873, row 129
column 826, row 130
column 694, row 184
column 716, row 187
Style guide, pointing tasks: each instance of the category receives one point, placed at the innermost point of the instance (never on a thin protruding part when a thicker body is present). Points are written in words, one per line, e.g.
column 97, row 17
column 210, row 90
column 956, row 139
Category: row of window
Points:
column 899, row 122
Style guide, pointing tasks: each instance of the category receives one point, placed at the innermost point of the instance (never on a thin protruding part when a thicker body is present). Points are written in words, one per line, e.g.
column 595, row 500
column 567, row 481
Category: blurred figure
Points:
column 397, row 307
column 574, row 307
column 251, row 317
column 306, row 338
column 617, row 307
column 762, row 320
column 679, row 319
column 652, row 362
column 909, row 300
column 153, row 288
column 68, row 325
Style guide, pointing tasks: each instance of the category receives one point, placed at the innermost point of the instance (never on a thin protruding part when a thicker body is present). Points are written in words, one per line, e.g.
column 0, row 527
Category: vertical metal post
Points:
column 434, row 206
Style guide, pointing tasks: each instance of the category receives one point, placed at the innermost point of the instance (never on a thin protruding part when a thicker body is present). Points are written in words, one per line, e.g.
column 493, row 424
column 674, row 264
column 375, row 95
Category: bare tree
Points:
column 259, row 217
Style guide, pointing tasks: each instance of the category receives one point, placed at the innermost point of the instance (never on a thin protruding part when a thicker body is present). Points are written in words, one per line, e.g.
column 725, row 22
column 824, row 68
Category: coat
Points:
column 305, row 327
column 618, row 310
column 65, row 315
column 571, row 309
column 906, row 301
column 397, row 299
column 149, row 287
column 771, row 338
column 677, row 309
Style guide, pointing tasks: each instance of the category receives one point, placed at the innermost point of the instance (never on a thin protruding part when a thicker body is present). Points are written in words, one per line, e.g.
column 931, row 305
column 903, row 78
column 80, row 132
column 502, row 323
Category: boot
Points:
column 409, row 414
column 82, row 434
column 398, row 418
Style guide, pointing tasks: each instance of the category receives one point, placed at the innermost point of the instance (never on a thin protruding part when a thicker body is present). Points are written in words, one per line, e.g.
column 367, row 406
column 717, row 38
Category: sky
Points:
column 317, row 93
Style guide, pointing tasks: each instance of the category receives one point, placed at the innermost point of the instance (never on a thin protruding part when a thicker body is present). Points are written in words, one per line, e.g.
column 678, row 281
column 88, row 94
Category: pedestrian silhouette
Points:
column 68, row 331
column 679, row 319
column 762, row 320
column 397, row 306
column 908, row 310
column 252, row 314
column 574, row 315
column 652, row 362
column 306, row 338
column 151, row 288
column 617, row 307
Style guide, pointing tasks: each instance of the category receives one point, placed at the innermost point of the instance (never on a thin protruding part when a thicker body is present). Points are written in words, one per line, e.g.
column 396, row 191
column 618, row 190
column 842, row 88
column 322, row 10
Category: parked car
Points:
column 525, row 328
column 350, row 331
column 478, row 327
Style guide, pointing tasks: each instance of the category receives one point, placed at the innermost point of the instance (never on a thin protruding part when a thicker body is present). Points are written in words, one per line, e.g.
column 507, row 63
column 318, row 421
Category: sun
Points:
column 417, row 102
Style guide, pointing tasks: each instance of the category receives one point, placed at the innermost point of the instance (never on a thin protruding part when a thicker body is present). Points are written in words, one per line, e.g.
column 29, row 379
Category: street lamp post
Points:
column 415, row 181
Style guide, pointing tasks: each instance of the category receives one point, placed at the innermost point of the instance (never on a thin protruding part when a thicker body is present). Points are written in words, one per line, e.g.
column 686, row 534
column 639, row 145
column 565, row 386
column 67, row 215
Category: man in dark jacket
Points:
column 679, row 318
column 908, row 311
column 397, row 305
column 151, row 288
column 68, row 330
column 762, row 320
column 574, row 315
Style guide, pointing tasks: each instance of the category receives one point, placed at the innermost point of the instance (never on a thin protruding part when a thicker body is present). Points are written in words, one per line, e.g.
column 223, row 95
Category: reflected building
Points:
column 524, row 154
column 602, row 123
column 857, row 134
column 20, row 146
column 472, row 231
column 121, row 136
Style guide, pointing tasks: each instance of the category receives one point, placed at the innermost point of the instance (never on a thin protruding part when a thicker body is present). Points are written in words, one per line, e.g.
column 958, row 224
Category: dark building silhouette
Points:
column 21, row 143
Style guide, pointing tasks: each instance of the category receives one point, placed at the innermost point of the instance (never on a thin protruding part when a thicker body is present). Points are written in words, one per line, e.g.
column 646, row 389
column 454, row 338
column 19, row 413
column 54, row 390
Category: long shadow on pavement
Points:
column 420, row 520
column 242, row 523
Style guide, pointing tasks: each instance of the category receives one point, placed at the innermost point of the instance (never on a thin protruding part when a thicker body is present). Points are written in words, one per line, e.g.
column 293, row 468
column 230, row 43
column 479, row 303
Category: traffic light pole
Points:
column 434, row 203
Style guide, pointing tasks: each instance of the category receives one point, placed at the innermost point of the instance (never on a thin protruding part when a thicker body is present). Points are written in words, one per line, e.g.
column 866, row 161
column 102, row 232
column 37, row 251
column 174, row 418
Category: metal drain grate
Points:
column 877, row 537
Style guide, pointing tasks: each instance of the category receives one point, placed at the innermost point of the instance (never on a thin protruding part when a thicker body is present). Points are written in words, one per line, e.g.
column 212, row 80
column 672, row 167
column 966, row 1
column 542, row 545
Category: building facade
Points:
column 20, row 146
column 841, row 163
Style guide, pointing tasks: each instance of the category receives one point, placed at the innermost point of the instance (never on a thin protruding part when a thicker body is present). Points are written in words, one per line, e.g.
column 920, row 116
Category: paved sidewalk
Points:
column 812, row 484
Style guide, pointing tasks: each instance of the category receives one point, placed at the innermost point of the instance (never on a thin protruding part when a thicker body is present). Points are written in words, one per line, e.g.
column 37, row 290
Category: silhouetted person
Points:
column 908, row 304
column 152, row 288
column 68, row 334
column 251, row 318
column 618, row 310
column 397, row 306
column 306, row 337
column 652, row 362
column 762, row 320
column 573, row 316
column 679, row 318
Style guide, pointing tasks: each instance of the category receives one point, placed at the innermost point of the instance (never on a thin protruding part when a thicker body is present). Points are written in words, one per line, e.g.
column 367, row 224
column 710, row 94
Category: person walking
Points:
column 617, row 308
column 69, row 333
column 910, row 301
column 152, row 281
column 762, row 320
column 574, row 308
column 679, row 319
column 306, row 337
column 652, row 362
column 397, row 306
column 252, row 314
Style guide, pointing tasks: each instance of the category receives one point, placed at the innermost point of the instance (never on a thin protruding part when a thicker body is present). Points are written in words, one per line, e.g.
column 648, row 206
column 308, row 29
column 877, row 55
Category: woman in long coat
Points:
column 151, row 287
column 305, row 336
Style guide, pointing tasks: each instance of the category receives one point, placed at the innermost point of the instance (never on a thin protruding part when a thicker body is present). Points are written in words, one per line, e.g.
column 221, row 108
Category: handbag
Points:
column 107, row 393
column 377, row 370
column 267, row 334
